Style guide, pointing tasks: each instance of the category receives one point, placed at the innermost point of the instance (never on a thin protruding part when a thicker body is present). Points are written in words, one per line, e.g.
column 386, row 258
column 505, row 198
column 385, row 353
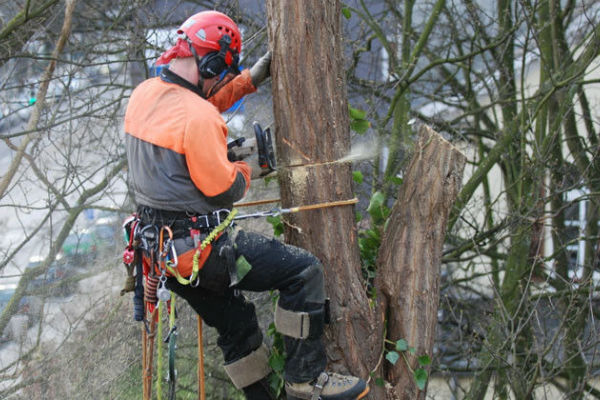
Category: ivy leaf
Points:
column 379, row 382
column 396, row 180
column 392, row 357
column 277, row 362
column 412, row 350
column 373, row 293
column 420, row 376
column 401, row 345
column 346, row 12
column 357, row 177
column 277, row 225
column 355, row 113
column 424, row 360
column 276, row 383
column 271, row 330
column 360, row 126
column 377, row 210
column 358, row 217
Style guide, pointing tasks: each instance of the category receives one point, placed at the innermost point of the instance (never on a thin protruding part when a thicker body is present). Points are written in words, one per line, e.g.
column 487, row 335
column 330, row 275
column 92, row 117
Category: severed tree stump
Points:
column 410, row 255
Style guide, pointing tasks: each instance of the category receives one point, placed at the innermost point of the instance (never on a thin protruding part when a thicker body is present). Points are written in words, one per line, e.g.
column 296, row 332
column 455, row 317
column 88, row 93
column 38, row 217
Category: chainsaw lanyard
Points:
column 193, row 280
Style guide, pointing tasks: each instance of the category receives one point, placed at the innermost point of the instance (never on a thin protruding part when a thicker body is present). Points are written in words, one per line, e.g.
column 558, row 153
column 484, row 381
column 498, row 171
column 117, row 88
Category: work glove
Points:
column 261, row 70
column 247, row 152
column 242, row 151
column 257, row 171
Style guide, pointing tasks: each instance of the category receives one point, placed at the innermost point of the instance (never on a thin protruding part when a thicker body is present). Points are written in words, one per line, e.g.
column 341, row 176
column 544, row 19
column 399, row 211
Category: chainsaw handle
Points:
column 235, row 143
column 264, row 143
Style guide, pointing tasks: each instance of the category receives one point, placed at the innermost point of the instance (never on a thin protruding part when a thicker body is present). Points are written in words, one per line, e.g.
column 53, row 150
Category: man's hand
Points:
column 243, row 151
column 261, row 70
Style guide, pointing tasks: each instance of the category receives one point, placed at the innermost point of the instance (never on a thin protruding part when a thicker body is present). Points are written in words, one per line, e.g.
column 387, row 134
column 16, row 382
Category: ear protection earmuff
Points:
column 214, row 63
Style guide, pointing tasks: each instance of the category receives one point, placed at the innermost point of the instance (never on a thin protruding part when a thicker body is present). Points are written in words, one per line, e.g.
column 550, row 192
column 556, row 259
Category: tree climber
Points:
column 181, row 178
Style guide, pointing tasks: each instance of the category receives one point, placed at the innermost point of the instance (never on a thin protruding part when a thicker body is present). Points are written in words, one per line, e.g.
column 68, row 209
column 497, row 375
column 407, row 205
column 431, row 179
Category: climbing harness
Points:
column 147, row 279
column 216, row 232
column 150, row 256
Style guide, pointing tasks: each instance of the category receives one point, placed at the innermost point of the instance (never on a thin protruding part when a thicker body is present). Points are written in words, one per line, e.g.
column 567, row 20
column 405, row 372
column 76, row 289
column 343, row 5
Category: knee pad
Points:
column 301, row 324
column 249, row 369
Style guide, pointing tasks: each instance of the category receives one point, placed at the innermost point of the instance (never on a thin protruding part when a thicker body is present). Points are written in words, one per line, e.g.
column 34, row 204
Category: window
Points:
column 575, row 224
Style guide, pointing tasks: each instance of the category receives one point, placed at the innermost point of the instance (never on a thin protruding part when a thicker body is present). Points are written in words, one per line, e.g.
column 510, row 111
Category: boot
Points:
column 328, row 386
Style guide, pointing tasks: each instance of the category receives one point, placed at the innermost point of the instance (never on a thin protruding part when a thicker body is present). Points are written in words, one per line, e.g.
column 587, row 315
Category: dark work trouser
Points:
column 295, row 272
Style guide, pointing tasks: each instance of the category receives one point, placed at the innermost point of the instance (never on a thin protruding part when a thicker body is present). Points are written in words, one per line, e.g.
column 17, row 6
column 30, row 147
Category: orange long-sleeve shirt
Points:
column 177, row 147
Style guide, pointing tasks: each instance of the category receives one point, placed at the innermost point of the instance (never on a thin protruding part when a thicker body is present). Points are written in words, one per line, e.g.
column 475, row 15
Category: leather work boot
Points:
column 328, row 386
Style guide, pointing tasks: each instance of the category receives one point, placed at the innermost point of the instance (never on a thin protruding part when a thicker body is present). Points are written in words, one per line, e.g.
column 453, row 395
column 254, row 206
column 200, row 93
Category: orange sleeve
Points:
column 205, row 147
column 240, row 86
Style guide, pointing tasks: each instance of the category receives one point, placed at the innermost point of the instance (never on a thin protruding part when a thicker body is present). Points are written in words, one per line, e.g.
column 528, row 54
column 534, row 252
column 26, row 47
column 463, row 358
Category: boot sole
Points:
column 360, row 396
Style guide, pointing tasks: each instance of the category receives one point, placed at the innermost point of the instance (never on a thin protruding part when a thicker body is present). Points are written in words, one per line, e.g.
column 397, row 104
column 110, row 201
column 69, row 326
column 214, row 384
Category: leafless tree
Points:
column 512, row 84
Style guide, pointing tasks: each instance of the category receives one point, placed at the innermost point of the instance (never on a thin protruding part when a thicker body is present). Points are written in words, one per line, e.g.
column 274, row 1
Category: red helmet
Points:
column 205, row 30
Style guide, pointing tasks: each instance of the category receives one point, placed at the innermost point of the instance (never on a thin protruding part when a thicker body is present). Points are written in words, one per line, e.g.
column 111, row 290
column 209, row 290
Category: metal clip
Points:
column 172, row 332
column 217, row 213
column 172, row 260
column 162, row 292
column 206, row 221
column 195, row 282
column 149, row 236
column 130, row 229
column 166, row 244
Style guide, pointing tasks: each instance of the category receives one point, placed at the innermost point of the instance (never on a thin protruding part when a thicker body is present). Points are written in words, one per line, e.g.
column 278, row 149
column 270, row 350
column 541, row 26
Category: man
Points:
column 182, row 179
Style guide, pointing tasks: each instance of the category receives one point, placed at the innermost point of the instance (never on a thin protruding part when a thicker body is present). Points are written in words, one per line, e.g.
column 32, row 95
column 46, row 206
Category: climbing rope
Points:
column 148, row 335
column 160, row 351
column 171, row 339
column 201, row 385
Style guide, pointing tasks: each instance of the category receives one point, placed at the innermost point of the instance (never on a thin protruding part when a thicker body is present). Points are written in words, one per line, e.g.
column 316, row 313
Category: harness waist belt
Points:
column 180, row 221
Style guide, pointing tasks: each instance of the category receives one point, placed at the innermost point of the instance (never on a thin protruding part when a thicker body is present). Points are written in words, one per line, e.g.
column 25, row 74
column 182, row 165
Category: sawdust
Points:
column 299, row 180
column 361, row 151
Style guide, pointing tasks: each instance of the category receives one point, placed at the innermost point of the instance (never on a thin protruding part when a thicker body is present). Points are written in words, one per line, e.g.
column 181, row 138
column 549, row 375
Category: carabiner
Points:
column 148, row 236
column 129, row 228
column 172, row 260
column 218, row 214
column 165, row 245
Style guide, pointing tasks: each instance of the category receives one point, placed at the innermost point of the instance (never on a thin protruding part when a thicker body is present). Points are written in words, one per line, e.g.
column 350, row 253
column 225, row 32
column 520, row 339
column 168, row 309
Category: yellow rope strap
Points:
column 195, row 263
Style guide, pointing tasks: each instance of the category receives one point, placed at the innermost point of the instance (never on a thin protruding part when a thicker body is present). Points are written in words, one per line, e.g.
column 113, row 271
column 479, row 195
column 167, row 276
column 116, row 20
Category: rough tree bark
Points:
column 311, row 118
column 411, row 251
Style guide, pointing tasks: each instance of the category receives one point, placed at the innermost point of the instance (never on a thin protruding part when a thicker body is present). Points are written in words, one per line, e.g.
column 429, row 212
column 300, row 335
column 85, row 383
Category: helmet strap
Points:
column 200, row 78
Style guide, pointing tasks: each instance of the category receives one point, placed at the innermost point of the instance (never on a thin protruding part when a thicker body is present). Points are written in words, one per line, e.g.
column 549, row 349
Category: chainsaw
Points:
column 261, row 145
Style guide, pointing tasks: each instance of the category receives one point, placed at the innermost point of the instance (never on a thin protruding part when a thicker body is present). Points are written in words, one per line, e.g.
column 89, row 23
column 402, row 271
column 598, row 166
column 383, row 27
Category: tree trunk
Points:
column 311, row 117
column 411, row 251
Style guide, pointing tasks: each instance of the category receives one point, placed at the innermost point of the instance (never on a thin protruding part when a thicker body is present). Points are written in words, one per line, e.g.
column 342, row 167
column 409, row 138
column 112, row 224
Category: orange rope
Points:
column 300, row 208
column 324, row 205
column 145, row 395
column 201, row 392
column 257, row 203
column 148, row 357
